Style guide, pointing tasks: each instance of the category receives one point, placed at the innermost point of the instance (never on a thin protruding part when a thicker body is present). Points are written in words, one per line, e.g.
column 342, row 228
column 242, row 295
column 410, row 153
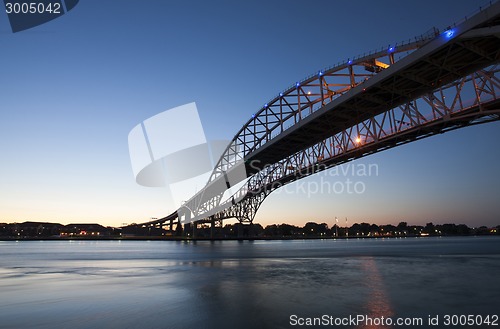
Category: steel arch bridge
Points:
column 432, row 84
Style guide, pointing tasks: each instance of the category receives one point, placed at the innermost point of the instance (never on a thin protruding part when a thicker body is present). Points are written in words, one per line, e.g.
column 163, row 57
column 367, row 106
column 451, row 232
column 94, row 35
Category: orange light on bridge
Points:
column 358, row 140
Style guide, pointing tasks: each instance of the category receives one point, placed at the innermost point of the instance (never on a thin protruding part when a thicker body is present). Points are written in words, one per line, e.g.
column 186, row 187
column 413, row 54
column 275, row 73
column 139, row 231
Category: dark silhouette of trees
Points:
column 429, row 228
column 310, row 230
column 315, row 229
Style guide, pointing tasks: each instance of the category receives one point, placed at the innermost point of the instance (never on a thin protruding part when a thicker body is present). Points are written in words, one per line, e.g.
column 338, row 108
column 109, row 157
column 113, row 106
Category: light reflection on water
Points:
column 378, row 305
column 231, row 284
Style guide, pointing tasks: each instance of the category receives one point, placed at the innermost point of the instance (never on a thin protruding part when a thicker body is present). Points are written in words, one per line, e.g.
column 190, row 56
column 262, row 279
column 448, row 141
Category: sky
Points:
column 72, row 89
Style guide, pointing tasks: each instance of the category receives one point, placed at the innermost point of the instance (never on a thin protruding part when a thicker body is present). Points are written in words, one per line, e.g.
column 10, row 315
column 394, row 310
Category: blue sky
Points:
column 72, row 89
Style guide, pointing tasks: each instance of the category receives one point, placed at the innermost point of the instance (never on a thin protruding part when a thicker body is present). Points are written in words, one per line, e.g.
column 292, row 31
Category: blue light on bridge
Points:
column 253, row 116
column 320, row 73
column 391, row 49
column 281, row 94
column 349, row 62
column 297, row 84
column 265, row 105
column 449, row 33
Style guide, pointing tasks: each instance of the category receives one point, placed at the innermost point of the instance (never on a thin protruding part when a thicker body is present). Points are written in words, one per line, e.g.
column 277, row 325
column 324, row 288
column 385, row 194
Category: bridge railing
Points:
column 309, row 95
column 440, row 106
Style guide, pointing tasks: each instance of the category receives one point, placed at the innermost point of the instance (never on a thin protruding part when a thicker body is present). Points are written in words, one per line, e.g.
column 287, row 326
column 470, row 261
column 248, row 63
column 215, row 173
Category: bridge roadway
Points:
column 432, row 66
column 473, row 45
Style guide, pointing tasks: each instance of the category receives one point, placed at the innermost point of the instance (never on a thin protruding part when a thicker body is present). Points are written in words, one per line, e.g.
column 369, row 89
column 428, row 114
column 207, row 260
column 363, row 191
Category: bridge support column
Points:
column 188, row 229
column 178, row 228
column 215, row 227
column 245, row 230
column 241, row 231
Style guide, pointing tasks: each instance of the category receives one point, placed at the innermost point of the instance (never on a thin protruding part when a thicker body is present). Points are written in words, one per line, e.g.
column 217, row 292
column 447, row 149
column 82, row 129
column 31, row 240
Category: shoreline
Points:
column 162, row 238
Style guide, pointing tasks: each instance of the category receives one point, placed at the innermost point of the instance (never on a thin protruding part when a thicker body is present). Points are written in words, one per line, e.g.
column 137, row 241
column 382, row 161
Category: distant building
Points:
column 139, row 231
column 87, row 230
column 35, row 229
column 4, row 229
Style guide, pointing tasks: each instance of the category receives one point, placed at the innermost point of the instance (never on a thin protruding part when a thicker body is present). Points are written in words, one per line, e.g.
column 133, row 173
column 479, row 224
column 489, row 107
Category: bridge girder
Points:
column 364, row 105
column 437, row 112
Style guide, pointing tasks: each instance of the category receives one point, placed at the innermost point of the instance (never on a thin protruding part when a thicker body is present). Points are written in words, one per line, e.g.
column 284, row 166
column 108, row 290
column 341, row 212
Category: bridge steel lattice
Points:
column 433, row 84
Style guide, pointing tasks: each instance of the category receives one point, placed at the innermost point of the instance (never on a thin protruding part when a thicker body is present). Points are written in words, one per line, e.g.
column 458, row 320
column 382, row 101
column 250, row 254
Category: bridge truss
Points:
column 435, row 83
column 442, row 110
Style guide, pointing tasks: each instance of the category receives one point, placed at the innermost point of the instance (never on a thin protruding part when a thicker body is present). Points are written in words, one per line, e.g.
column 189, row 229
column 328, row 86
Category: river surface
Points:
column 246, row 284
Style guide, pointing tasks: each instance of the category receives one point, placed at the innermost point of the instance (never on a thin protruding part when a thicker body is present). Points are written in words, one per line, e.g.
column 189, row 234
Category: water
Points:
column 234, row 284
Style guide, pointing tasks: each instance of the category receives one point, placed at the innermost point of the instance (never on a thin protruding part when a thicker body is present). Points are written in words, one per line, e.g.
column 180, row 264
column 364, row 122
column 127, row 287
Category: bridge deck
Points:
column 439, row 62
column 475, row 44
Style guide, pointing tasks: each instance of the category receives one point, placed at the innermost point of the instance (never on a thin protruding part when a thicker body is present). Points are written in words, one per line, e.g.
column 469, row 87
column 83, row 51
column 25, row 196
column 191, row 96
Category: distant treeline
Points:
column 46, row 230
column 315, row 230
column 309, row 230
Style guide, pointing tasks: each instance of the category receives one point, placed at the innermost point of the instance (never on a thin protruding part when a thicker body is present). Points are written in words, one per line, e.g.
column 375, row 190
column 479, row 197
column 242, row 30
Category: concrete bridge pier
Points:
column 245, row 230
column 216, row 226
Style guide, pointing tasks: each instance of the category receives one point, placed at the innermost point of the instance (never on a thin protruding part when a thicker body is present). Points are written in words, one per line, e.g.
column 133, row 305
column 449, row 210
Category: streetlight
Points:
column 346, row 228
